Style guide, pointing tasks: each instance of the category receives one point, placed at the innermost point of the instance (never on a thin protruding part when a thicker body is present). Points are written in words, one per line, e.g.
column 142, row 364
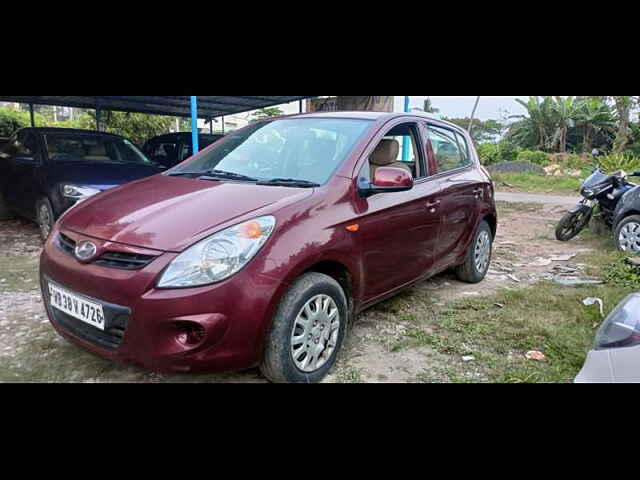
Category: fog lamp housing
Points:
column 189, row 334
column 621, row 329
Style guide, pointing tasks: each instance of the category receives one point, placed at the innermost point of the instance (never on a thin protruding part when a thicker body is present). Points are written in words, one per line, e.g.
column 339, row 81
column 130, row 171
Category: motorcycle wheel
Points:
column 572, row 224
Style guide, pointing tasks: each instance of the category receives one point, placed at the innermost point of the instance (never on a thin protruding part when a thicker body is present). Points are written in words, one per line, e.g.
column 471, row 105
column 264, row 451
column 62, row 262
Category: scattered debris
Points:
column 499, row 305
column 473, row 294
column 541, row 262
column 514, row 278
column 592, row 301
column 535, row 355
column 563, row 258
column 469, row 358
column 575, row 281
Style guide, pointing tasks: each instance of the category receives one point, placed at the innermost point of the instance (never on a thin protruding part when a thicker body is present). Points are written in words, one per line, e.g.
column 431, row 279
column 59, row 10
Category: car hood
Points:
column 171, row 213
column 101, row 175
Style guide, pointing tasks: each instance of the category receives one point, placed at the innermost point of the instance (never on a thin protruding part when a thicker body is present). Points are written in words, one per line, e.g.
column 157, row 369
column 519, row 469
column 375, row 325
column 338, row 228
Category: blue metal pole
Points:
column 405, row 140
column 194, row 125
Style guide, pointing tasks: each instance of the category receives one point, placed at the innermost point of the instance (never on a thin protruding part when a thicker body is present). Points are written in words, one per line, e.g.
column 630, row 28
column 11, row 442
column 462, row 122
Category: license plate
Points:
column 76, row 306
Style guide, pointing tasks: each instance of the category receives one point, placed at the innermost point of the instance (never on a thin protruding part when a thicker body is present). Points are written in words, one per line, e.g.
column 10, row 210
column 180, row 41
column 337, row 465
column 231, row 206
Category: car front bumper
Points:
column 142, row 322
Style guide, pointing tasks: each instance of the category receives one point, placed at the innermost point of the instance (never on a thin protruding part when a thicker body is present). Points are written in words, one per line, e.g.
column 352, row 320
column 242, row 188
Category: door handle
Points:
column 478, row 192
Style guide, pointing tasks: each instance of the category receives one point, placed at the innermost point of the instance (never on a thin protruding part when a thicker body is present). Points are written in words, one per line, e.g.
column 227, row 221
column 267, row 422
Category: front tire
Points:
column 46, row 218
column 307, row 331
column 627, row 235
column 572, row 224
column 478, row 258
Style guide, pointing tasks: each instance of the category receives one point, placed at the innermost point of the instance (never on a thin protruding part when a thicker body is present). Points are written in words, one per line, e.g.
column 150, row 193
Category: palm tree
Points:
column 536, row 129
column 593, row 116
column 564, row 112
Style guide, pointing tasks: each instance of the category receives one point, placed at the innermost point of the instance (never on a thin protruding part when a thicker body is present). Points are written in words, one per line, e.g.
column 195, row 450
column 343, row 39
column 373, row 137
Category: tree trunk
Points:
column 623, row 108
column 587, row 142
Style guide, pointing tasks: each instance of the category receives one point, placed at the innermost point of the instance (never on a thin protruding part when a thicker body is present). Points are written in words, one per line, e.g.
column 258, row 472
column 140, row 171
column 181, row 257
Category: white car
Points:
column 616, row 354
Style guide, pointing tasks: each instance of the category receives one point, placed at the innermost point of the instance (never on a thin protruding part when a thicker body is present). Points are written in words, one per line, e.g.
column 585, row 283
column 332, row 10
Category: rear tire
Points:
column 46, row 217
column 572, row 224
column 5, row 211
column 293, row 349
column 478, row 258
column 627, row 235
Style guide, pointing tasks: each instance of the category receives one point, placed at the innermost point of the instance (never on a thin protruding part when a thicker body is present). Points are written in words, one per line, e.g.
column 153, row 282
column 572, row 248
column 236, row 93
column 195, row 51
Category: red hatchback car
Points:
column 261, row 249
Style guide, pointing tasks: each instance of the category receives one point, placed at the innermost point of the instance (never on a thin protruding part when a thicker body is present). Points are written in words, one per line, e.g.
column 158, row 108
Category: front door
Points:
column 398, row 231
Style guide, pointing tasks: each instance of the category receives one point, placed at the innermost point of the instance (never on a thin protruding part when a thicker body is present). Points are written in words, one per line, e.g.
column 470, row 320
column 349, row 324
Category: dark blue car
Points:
column 45, row 171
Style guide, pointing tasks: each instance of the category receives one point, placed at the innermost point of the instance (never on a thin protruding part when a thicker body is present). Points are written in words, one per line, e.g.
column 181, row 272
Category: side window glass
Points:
column 22, row 145
column 399, row 148
column 446, row 149
column 464, row 149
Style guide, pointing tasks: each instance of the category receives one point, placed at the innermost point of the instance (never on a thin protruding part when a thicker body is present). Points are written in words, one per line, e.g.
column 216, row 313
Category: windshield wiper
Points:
column 289, row 182
column 216, row 174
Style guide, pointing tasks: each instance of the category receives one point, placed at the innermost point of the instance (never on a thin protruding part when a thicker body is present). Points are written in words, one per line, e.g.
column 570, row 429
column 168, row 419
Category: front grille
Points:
column 66, row 244
column 111, row 259
column 125, row 261
column 116, row 322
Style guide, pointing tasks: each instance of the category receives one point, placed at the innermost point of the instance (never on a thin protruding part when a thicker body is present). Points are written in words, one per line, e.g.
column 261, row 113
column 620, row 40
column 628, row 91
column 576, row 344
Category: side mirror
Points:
column 388, row 180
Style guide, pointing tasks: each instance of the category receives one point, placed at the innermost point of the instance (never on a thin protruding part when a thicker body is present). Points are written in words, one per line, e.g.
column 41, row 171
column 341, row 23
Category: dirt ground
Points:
column 525, row 248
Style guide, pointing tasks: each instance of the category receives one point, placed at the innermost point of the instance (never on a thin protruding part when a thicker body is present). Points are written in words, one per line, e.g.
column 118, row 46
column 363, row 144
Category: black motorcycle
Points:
column 600, row 191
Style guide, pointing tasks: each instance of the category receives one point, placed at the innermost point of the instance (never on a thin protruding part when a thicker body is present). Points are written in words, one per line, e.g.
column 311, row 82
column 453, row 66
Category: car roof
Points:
column 184, row 135
column 376, row 116
column 75, row 131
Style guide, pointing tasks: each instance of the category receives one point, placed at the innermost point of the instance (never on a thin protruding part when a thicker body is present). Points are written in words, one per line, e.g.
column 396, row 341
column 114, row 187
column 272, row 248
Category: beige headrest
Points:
column 385, row 153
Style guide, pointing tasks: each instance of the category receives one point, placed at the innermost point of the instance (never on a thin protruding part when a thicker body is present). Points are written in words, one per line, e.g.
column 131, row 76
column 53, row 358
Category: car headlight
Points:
column 218, row 256
column 76, row 192
column 622, row 326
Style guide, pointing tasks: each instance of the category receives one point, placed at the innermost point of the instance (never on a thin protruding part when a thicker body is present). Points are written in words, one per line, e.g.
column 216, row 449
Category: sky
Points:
column 456, row 106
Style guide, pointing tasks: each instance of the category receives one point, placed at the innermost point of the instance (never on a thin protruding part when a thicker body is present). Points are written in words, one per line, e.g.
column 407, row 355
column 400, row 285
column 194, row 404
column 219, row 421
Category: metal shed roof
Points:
column 208, row 107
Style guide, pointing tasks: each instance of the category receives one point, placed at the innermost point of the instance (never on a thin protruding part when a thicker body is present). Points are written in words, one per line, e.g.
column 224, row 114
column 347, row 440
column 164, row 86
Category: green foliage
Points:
column 492, row 153
column 135, row 126
column 267, row 113
column 537, row 157
column 621, row 274
column 535, row 183
column 12, row 120
column 482, row 131
column 553, row 124
column 614, row 162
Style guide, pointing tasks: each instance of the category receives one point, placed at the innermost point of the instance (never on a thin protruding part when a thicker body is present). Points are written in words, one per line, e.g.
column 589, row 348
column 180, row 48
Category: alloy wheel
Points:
column 629, row 237
column 482, row 252
column 315, row 333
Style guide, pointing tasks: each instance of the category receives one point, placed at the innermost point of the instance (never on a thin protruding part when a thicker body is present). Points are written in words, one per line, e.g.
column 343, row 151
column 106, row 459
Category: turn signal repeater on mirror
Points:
column 353, row 227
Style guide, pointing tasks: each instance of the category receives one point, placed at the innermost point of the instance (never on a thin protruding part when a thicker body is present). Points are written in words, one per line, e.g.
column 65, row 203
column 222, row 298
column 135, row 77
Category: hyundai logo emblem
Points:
column 85, row 251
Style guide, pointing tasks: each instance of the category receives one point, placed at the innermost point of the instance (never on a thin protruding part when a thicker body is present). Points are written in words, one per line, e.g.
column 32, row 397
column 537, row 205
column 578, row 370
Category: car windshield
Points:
column 93, row 148
column 306, row 150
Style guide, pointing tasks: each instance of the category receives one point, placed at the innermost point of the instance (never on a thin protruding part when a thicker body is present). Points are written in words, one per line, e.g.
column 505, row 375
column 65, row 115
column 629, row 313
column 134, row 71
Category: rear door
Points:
column 460, row 192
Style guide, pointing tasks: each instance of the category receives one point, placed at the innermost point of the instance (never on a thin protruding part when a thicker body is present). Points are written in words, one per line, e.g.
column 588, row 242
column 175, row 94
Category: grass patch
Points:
column 533, row 182
column 511, row 207
column 545, row 317
column 351, row 375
